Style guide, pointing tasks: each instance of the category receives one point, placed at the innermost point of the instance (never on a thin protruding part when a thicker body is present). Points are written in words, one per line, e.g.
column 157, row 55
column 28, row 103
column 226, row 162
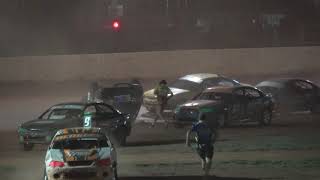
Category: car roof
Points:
column 280, row 82
column 77, row 104
column 71, row 103
column 199, row 76
column 226, row 89
column 78, row 130
column 284, row 80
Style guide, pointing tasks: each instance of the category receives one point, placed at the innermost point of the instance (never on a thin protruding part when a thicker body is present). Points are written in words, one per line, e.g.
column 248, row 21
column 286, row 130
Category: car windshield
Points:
column 185, row 84
column 80, row 143
column 57, row 113
column 213, row 96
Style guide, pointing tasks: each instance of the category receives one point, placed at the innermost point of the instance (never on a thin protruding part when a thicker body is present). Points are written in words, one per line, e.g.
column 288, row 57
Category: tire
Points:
column 265, row 118
column 27, row 146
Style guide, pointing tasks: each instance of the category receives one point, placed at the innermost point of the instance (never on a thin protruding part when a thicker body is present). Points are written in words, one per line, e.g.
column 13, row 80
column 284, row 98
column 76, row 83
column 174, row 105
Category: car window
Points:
column 185, row 84
column 103, row 109
column 217, row 82
column 238, row 92
column 80, row 143
column 252, row 93
column 59, row 113
column 62, row 111
column 224, row 82
column 303, row 87
column 90, row 110
column 209, row 83
column 213, row 96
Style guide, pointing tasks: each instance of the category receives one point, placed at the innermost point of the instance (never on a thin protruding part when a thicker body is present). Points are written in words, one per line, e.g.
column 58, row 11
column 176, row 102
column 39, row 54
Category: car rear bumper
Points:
column 88, row 173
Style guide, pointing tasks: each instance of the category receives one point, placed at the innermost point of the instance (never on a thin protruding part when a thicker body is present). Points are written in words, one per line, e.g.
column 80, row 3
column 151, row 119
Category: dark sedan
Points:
column 67, row 115
column 226, row 105
column 292, row 95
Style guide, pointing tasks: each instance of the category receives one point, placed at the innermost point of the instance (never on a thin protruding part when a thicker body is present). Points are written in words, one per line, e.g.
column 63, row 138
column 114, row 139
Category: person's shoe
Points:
column 203, row 164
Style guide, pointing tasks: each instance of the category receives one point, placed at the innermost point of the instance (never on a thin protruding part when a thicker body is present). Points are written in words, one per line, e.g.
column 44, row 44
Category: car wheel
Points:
column 265, row 118
column 27, row 146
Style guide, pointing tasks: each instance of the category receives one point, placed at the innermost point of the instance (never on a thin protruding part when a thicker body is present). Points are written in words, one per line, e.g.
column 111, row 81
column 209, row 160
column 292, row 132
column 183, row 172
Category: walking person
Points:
column 205, row 139
column 163, row 93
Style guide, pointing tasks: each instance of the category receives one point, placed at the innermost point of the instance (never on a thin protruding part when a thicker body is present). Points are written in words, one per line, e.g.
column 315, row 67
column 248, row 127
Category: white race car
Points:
column 81, row 153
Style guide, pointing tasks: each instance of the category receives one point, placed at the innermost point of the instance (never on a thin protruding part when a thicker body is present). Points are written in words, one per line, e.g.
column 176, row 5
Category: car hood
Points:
column 175, row 91
column 41, row 124
column 201, row 103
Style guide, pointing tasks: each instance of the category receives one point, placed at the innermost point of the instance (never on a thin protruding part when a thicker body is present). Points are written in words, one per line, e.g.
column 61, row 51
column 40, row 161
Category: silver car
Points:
column 78, row 153
column 187, row 87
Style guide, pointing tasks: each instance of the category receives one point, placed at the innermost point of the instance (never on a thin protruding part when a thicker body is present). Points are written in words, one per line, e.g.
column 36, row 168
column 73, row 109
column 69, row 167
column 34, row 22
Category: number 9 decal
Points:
column 87, row 121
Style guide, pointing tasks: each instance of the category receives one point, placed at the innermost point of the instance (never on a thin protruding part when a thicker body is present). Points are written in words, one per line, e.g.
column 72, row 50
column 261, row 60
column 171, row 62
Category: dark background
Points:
column 42, row 27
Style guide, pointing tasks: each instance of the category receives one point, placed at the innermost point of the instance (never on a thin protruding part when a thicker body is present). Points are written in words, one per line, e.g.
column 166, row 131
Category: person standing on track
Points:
column 163, row 93
column 205, row 138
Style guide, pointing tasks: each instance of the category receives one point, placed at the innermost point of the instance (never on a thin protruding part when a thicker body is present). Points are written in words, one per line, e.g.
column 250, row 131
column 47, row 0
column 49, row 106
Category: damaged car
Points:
column 186, row 87
column 80, row 153
column 227, row 105
column 68, row 115
column 126, row 97
column 293, row 95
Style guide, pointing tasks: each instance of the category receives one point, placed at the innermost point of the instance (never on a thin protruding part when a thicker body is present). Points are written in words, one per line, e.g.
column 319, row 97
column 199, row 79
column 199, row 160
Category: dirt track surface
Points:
column 289, row 149
column 285, row 150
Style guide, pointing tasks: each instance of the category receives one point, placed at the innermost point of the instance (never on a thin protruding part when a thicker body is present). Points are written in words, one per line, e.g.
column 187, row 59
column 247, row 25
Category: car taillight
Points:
column 56, row 164
column 104, row 162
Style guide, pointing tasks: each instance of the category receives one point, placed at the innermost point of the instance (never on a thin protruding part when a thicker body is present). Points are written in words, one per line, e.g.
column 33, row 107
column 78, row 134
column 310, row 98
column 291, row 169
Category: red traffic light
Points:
column 116, row 24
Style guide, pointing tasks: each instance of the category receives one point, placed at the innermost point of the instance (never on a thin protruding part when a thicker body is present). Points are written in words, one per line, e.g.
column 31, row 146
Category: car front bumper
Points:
column 27, row 137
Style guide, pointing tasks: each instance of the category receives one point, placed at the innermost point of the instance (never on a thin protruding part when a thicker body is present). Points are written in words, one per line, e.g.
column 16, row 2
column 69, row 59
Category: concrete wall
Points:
column 164, row 64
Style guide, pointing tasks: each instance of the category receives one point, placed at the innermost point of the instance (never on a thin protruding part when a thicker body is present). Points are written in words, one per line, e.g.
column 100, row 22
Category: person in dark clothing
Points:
column 205, row 138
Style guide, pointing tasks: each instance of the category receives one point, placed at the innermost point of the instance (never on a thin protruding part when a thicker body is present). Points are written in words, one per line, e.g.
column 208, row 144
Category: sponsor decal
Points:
column 90, row 155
